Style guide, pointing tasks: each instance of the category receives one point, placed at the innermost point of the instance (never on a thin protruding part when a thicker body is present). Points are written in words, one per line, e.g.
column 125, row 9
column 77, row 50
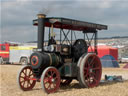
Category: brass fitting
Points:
column 41, row 15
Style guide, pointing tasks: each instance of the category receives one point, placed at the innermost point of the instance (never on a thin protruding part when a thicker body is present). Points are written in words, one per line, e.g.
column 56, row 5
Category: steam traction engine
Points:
column 59, row 62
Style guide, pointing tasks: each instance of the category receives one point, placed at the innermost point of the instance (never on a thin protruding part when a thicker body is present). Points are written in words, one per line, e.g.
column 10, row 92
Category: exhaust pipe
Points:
column 41, row 29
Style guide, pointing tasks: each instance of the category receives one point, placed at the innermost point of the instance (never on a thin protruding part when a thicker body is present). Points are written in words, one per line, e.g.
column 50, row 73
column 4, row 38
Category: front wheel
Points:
column 50, row 80
column 25, row 78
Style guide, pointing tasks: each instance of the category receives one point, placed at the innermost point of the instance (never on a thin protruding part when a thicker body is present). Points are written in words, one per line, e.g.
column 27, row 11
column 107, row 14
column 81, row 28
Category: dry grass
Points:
column 9, row 85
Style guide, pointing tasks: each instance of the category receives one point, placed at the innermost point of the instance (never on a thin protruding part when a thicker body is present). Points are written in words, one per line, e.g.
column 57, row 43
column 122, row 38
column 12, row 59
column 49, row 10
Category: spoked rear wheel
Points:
column 25, row 78
column 90, row 71
column 50, row 80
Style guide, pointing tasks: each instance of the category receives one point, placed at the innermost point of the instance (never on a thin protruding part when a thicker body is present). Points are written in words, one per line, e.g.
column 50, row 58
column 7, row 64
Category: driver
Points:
column 52, row 41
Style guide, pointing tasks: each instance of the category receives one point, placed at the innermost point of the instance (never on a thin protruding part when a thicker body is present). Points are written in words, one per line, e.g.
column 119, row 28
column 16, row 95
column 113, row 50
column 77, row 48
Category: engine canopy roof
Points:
column 71, row 24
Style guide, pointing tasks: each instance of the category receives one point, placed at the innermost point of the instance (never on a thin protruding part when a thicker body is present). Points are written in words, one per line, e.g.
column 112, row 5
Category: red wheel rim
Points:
column 65, row 82
column 51, row 80
column 34, row 60
column 25, row 79
column 92, row 71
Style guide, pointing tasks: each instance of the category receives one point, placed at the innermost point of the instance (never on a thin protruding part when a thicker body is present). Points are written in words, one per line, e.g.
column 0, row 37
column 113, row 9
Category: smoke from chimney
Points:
column 44, row 11
column 47, row 9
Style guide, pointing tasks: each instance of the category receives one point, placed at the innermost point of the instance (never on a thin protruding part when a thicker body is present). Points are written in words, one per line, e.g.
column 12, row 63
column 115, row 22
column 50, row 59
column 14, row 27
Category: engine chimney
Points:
column 41, row 29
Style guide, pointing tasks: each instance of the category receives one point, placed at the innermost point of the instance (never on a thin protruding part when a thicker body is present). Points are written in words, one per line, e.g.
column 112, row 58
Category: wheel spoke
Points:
column 55, row 78
column 21, row 77
column 49, row 86
column 86, row 74
column 92, row 62
column 93, row 73
column 96, row 68
column 29, row 73
column 95, row 80
column 27, row 83
column 89, row 76
column 88, row 81
column 87, row 63
column 91, row 79
column 46, row 75
column 24, row 83
column 24, row 73
column 46, row 80
column 93, row 59
column 54, row 85
column 53, row 73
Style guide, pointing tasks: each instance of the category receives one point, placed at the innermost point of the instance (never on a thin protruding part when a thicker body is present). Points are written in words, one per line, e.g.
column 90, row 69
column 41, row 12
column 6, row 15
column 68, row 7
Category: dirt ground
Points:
column 9, row 86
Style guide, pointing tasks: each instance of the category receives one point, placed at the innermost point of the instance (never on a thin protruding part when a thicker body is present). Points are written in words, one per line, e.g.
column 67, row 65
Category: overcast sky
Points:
column 17, row 15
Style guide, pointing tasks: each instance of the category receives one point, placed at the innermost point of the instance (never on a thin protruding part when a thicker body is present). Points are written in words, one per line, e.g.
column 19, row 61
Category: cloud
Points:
column 17, row 15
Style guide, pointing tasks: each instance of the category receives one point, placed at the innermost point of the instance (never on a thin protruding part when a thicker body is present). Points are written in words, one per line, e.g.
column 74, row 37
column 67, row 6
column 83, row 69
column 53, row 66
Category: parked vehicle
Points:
column 4, row 53
column 124, row 59
column 20, row 54
column 15, row 54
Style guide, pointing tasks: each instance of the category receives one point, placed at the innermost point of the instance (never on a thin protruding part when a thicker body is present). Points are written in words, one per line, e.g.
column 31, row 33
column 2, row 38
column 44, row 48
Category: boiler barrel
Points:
column 43, row 60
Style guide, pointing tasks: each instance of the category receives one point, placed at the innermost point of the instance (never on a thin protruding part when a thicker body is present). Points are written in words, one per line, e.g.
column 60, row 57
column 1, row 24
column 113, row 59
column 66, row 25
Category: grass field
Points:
column 9, row 86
